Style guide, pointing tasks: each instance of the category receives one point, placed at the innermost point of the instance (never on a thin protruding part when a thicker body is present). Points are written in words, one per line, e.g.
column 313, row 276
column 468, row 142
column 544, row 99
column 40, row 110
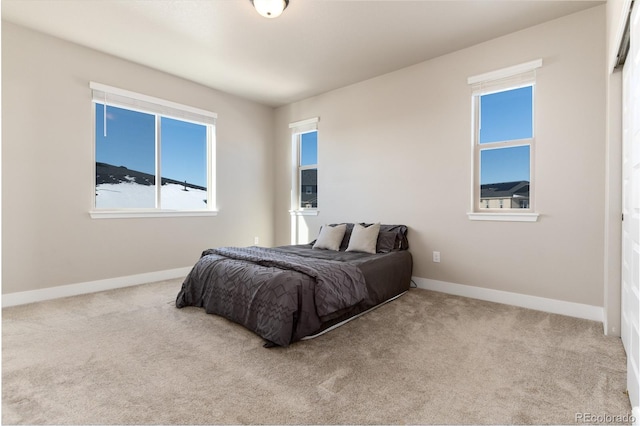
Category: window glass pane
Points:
column 504, row 177
column 183, row 165
column 309, row 148
column 125, row 159
column 506, row 115
column 309, row 188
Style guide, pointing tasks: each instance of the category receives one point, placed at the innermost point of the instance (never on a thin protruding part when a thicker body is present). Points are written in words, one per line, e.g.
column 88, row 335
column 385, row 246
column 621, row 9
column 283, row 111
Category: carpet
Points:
column 128, row 356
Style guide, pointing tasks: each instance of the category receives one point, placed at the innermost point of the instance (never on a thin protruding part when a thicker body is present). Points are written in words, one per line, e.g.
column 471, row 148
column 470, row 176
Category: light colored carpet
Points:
column 128, row 356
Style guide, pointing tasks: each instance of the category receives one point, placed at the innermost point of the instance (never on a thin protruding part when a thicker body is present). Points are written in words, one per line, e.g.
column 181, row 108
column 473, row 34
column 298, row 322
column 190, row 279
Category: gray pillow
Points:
column 386, row 241
column 330, row 237
column 364, row 239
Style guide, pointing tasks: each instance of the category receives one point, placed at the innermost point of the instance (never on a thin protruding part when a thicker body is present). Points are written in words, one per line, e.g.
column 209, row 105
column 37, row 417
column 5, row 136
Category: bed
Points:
column 288, row 293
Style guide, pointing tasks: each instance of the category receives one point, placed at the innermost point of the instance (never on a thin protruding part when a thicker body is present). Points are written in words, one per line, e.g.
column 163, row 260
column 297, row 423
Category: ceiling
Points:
column 315, row 46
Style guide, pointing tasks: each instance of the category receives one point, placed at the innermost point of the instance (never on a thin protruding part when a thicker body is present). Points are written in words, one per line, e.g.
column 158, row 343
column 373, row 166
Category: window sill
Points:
column 505, row 217
column 127, row 214
column 309, row 212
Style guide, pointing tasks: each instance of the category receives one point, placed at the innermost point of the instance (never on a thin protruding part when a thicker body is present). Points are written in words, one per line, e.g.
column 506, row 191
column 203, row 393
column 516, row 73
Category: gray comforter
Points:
column 281, row 296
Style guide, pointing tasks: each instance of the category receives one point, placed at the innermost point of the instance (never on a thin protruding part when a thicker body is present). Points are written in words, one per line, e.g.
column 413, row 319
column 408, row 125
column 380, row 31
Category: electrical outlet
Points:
column 436, row 256
column 256, row 240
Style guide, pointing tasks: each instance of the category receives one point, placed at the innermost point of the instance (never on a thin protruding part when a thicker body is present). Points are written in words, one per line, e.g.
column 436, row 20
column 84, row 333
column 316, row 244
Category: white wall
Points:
column 47, row 164
column 396, row 149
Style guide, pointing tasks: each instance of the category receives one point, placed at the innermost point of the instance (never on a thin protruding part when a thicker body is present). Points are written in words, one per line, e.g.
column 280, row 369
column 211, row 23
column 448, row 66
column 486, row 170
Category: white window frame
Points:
column 518, row 76
column 113, row 96
column 302, row 168
column 299, row 128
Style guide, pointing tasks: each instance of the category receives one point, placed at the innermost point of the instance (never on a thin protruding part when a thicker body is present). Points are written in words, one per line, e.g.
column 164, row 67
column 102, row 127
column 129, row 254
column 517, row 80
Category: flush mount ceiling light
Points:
column 270, row 8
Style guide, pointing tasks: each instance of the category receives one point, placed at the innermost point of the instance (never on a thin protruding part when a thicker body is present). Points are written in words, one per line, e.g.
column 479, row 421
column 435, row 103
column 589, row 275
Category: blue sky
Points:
column 309, row 148
column 506, row 116
column 505, row 165
column 184, row 151
column 130, row 142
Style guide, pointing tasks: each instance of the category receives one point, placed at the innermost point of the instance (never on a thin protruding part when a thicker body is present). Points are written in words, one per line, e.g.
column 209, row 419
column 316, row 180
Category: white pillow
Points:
column 364, row 239
column 330, row 237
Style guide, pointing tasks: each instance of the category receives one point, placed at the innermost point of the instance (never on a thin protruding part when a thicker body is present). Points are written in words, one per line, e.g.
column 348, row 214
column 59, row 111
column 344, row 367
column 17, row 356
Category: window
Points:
column 503, row 143
column 308, row 169
column 305, row 166
column 152, row 157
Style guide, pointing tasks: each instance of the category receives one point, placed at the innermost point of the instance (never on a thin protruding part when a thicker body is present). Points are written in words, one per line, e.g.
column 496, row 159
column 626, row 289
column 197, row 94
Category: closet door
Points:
column 630, row 291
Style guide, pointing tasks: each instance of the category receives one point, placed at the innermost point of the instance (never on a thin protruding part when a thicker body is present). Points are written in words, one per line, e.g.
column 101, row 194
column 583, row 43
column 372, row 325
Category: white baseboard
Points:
column 594, row 313
column 24, row 297
column 578, row 310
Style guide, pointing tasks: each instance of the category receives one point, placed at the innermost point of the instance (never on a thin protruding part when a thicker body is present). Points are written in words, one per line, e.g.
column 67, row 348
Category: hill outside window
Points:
column 504, row 144
column 152, row 157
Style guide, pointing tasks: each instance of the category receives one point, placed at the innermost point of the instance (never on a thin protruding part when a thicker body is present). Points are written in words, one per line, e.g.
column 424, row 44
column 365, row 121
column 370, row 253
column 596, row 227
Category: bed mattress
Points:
column 286, row 293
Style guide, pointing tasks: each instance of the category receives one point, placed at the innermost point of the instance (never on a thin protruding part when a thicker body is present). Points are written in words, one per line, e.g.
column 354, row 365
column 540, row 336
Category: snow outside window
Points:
column 151, row 155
